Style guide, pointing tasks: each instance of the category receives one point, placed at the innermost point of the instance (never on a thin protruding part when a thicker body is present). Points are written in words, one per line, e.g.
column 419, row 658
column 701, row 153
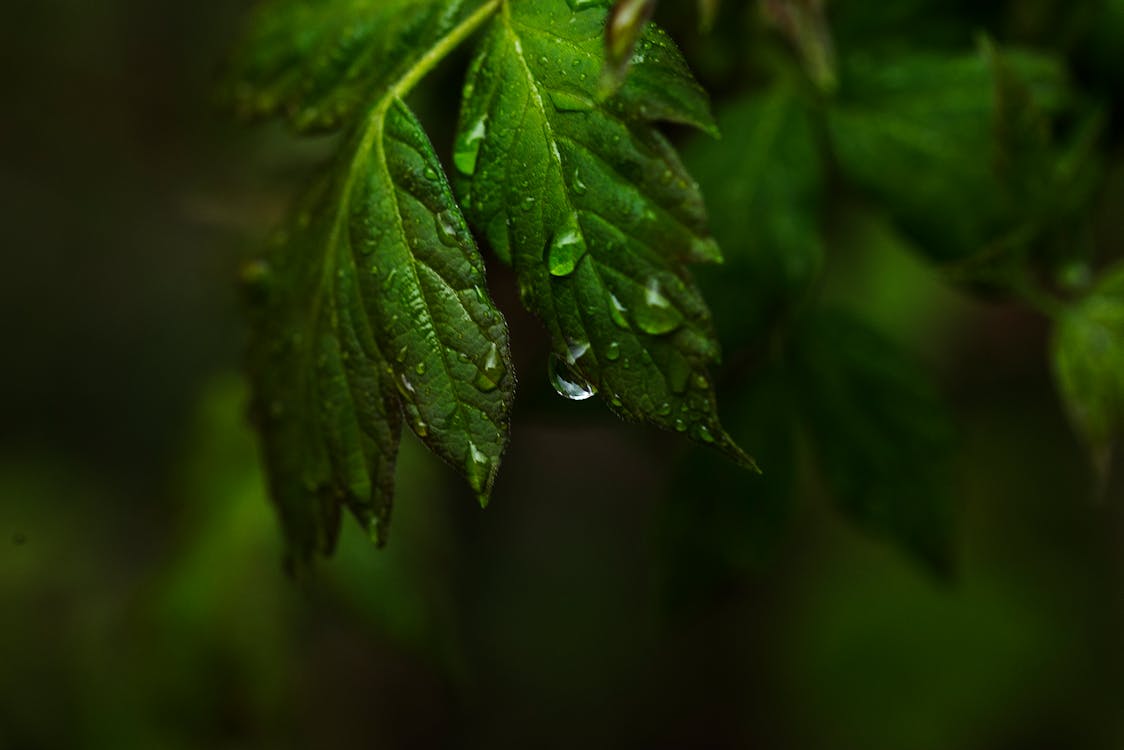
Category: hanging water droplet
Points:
column 477, row 468
column 448, row 229
column 704, row 434
column 615, row 400
column 613, row 351
column 421, row 429
column 564, row 101
column 664, row 409
column 491, row 370
column 680, row 425
column 467, row 148
column 566, row 381
column 567, row 248
column 655, row 314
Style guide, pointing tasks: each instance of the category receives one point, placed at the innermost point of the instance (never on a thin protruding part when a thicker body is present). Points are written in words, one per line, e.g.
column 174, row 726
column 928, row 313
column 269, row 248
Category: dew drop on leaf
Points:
column 577, row 184
column 704, row 434
column 617, row 312
column 491, row 370
column 477, row 467
column 447, row 228
column 564, row 101
column 567, row 248
column 613, row 351
column 655, row 314
column 568, row 383
column 467, row 147
column 577, row 5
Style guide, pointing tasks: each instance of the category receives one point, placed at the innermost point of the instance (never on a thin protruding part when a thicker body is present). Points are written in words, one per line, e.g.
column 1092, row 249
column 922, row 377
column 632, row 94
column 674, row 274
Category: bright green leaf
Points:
column 594, row 209
column 370, row 306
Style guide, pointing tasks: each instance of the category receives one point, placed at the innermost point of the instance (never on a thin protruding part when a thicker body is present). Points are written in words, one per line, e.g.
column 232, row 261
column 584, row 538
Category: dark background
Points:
column 142, row 600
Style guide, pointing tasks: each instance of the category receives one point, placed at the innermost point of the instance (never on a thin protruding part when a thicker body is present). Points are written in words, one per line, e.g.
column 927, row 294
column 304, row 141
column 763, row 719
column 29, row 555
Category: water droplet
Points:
column 664, row 409
column 405, row 387
column 617, row 312
column 567, row 248
column 577, row 349
column 477, row 468
column 700, row 381
column 492, row 370
column 704, row 434
column 420, row 428
column 564, row 101
column 566, row 381
column 448, row 228
column 655, row 315
column 430, row 174
column 420, row 369
column 615, row 400
column 467, row 147
column 613, row 351
column 577, row 184
column 680, row 425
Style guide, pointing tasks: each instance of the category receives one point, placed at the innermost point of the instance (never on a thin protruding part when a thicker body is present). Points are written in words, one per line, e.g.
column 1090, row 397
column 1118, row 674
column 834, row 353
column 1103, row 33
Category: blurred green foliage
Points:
column 881, row 359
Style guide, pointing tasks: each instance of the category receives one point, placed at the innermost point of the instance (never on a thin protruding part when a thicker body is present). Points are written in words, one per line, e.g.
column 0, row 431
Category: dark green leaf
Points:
column 1088, row 353
column 594, row 208
column 880, row 432
column 763, row 183
column 927, row 134
column 374, row 304
column 322, row 63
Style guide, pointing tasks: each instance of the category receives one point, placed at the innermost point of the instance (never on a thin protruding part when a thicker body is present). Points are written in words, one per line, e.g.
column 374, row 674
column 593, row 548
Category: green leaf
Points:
column 927, row 134
column 322, row 63
column 594, row 209
column 880, row 432
column 764, row 188
column 370, row 306
column 1088, row 354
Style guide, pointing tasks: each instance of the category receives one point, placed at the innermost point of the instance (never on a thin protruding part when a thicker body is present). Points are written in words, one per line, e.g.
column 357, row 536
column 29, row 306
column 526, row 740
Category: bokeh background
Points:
column 623, row 588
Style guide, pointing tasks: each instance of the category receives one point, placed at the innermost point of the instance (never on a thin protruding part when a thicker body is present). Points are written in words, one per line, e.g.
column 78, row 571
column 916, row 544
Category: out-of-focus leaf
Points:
column 1088, row 354
column 805, row 25
column 623, row 30
column 763, row 183
column 880, row 432
column 931, row 137
column 719, row 522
